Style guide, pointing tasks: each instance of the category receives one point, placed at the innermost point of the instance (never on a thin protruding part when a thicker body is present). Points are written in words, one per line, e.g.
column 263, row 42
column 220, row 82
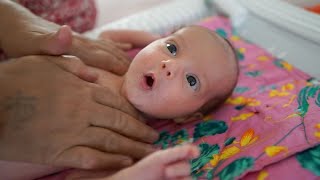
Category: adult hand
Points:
column 50, row 116
column 22, row 33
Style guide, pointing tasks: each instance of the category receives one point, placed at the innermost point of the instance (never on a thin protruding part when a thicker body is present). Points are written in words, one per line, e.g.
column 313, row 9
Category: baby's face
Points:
column 176, row 75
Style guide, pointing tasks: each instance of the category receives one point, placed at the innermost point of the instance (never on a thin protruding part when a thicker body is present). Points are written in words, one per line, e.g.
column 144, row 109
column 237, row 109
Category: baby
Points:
column 180, row 77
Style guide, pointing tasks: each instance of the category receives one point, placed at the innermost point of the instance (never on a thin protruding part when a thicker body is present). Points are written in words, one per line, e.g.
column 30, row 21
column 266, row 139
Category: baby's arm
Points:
column 172, row 163
column 128, row 39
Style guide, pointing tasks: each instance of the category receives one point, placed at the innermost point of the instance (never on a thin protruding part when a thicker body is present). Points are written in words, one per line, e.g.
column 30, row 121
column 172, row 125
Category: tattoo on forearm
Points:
column 20, row 107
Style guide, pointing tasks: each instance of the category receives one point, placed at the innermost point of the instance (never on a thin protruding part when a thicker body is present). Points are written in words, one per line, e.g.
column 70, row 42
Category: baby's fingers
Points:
column 178, row 170
column 180, row 153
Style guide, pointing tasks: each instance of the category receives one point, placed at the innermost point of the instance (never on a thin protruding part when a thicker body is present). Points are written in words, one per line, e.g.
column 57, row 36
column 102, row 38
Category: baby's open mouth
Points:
column 149, row 80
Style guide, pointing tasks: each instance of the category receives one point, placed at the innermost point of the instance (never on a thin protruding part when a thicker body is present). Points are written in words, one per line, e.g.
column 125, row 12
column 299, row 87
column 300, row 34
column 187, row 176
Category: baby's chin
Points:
column 150, row 114
column 160, row 114
column 147, row 109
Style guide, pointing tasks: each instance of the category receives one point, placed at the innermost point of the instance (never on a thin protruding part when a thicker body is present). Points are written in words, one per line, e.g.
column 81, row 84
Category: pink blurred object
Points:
column 79, row 15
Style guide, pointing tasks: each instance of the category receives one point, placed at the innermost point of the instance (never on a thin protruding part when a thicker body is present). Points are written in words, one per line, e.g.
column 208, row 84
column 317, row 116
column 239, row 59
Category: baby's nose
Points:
column 169, row 68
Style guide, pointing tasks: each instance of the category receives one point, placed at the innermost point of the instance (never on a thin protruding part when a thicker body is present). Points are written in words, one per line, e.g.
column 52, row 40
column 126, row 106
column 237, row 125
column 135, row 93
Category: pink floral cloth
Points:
column 79, row 15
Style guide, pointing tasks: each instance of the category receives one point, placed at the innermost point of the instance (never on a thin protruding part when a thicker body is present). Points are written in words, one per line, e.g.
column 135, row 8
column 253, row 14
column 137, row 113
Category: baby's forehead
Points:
column 196, row 29
column 212, row 35
column 195, row 32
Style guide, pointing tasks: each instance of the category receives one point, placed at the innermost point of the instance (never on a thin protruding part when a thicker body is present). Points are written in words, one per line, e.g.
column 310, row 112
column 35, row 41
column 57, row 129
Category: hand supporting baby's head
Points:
column 182, row 76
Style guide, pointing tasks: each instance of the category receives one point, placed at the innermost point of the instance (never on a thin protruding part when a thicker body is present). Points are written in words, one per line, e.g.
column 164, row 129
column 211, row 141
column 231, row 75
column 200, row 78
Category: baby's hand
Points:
column 128, row 39
column 169, row 164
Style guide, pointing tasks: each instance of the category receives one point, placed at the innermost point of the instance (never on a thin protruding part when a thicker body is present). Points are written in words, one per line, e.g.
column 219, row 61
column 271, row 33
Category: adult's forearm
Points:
column 13, row 18
column 10, row 17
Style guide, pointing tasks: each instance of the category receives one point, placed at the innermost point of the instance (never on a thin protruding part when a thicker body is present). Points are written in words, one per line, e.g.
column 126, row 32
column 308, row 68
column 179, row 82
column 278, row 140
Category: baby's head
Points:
column 183, row 75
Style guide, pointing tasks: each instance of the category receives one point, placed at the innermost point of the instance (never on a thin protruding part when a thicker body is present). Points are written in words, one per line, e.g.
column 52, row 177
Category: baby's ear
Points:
column 192, row 117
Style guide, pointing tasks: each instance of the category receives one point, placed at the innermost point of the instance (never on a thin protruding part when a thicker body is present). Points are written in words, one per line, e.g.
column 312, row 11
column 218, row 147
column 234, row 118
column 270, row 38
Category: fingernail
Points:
column 195, row 152
column 127, row 162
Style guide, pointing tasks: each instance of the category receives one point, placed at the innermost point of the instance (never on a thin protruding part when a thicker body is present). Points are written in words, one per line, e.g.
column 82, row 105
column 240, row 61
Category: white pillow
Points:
column 163, row 18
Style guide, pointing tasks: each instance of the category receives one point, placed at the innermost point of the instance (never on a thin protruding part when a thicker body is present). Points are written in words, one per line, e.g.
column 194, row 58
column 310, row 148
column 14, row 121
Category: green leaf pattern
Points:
column 236, row 168
column 303, row 97
column 206, row 153
column 209, row 128
column 310, row 160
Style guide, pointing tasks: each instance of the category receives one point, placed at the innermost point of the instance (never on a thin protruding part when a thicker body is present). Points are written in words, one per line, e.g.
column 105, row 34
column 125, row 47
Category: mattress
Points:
column 282, row 27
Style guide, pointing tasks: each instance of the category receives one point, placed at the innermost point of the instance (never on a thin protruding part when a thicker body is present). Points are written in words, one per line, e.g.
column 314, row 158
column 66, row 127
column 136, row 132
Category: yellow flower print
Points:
column 286, row 66
column 284, row 90
column 242, row 50
column 235, row 38
column 317, row 133
column 262, row 175
column 240, row 100
column 208, row 117
column 274, row 93
column 242, row 117
column 275, row 150
column 225, row 154
column 215, row 160
column 287, row 87
column 253, row 102
column 229, row 152
column 236, row 101
column 263, row 58
column 248, row 138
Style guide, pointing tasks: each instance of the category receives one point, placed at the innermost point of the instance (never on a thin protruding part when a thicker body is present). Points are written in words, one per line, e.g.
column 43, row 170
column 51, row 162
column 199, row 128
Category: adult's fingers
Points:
column 56, row 43
column 87, row 158
column 75, row 66
column 99, row 53
column 111, row 142
column 124, row 124
column 106, row 97
column 81, row 174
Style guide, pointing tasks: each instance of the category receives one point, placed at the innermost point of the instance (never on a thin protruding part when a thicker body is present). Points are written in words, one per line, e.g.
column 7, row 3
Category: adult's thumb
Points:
column 56, row 43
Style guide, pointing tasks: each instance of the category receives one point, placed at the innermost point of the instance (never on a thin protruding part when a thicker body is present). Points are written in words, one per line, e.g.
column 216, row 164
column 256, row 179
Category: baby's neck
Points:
column 111, row 81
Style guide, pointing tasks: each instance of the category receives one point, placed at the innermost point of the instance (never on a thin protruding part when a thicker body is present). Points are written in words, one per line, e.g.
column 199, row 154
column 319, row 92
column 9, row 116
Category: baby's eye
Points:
column 193, row 81
column 172, row 48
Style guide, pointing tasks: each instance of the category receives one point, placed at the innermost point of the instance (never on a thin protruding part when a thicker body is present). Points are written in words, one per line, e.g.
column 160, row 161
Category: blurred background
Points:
column 111, row 10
